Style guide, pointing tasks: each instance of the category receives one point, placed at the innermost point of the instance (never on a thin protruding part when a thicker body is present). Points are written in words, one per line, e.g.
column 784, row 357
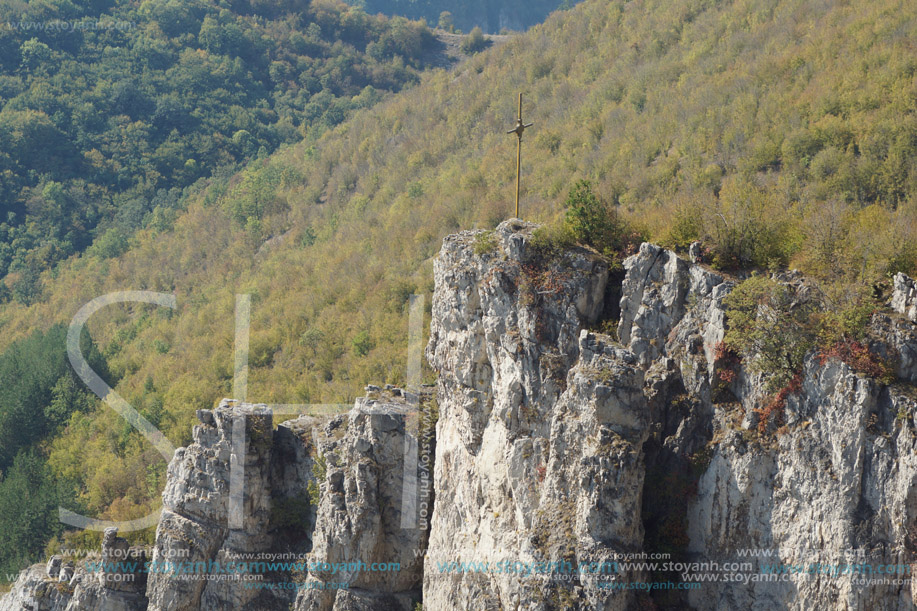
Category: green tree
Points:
column 446, row 22
column 38, row 389
column 768, row 325
column 210, row 36
column 362, row 343
column 115, row 116
column 28, row 512
column 110, row 244
column 36, row 55
column 590, row 220
column 474, row 42
column 27, row 286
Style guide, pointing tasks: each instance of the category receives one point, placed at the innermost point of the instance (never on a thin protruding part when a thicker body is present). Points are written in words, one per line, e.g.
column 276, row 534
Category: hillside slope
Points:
column 781, row 132
column 110, row 111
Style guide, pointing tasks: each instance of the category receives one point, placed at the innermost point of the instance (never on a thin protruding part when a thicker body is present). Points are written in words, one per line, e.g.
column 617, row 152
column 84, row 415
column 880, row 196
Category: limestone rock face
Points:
column 593, row 481
column 117, row 558
column 54, row 566
column 292, row 459
column 365, row 522
column 663, row 293
column 895, row 340
column 840, row 476
column 63, row 586
column 96, row 597
column 37, row 591
column 539, row 441
column 904, row 297
column 654, row 295
column 199, row 521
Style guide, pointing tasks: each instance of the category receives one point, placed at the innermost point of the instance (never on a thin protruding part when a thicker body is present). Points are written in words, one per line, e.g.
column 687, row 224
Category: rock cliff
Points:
column 363, row 537
column 586, row 418
column 199, row 523
column 829, row 500
column 67, row 586
column 539, row 441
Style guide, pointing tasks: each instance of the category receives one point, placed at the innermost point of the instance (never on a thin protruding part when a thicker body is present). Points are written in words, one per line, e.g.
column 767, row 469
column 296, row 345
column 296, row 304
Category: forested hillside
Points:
column 780, row 132
column 109, row 111
column 38, row 394
column 112, row 115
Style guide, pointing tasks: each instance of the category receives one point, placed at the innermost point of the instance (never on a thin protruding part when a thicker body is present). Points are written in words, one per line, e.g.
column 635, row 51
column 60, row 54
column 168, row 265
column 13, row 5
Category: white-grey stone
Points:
column 904, row 296
column 541, row 426
column 359, row 520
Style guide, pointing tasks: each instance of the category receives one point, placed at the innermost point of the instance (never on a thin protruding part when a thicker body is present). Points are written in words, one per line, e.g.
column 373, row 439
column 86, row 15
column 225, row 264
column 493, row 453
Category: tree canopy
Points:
column 111, row 111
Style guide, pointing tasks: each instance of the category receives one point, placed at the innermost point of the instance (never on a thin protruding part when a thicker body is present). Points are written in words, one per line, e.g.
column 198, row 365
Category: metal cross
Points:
column 520, row 127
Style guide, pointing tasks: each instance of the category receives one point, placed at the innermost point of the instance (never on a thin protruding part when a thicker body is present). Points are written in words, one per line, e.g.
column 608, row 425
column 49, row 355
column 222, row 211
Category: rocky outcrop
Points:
column 559, row 452
column 836, row 491
column 895, row 337
column 832, row 491
column 111, row 582
column 367, row 536
column 895, row 340
column 205, row 519
column 671, row 309
column 209, row 521
column 904, row 297
column 119, row 562
column 541, row 426
column 37, row 590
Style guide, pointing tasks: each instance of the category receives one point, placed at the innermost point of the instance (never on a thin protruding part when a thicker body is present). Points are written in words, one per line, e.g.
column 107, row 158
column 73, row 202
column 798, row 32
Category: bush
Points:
column 551, row 240
column 860, row 358
column 774, row 411
column 746, row 229
column 591, row 221
column 485, row 242
column 844, row 325
column 766, row 323
column 474, row 42
column 684, row 230
column 770, row 323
